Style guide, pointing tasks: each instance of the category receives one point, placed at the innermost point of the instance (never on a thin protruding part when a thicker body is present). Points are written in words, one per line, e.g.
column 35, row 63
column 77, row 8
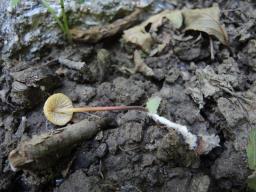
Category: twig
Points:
column 42, row 151
column 96, row 34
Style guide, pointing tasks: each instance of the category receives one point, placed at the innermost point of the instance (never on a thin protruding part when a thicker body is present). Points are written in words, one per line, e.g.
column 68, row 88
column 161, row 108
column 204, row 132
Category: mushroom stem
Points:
column 94, row 109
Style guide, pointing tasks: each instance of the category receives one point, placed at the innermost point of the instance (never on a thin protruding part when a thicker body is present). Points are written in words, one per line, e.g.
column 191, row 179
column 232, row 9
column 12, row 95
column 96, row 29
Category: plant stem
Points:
column 53, row 13
column 94, row 109
column 65, row 21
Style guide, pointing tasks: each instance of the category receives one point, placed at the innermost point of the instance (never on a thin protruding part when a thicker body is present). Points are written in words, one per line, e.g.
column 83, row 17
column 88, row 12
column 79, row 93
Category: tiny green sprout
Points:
column 251, row 155
column 153, row 104
column 14, row 3
column 251, row 150
column 59, row 109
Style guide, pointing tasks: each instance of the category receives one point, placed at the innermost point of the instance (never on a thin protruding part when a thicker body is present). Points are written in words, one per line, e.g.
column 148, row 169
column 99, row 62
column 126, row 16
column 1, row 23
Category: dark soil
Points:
column 207, row 95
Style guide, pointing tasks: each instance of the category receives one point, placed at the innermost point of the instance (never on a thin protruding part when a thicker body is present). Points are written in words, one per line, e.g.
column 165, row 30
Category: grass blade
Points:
column 53, row 13
column 14, row 3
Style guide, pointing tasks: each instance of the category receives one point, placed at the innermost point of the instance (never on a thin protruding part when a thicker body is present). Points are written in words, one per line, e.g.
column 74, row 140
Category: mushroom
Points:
column 59, row 110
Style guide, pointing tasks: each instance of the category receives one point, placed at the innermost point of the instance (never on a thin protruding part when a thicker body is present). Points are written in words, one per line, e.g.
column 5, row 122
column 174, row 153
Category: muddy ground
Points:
column 215, row 95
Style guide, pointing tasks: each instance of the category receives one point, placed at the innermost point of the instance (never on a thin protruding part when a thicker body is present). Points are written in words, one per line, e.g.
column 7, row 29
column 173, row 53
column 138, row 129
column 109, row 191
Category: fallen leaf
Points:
column 140, row 34
column 140, row 66
column 175, row 17
column 205, row 20
column 251, row 150
column 158, row 49
column 153, row 104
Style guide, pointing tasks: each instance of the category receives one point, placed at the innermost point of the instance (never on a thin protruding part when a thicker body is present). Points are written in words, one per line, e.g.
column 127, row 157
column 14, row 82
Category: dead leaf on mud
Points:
column 205, row 20
column 140, row 66
column 140, row 34
column 153, row 103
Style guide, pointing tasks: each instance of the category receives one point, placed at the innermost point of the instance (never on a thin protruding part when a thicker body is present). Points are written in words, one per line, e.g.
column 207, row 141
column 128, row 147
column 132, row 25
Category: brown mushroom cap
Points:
column 54, row 109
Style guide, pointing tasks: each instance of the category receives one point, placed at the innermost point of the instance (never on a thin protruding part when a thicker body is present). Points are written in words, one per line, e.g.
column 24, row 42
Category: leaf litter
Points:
column 204, row 20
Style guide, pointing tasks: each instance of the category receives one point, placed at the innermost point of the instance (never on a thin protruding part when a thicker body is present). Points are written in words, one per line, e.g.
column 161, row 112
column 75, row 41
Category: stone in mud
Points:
column 231, row 167
column 79, row 182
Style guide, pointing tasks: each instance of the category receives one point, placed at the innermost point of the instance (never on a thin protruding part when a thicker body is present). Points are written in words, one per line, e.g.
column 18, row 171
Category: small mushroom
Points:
column 59, row 110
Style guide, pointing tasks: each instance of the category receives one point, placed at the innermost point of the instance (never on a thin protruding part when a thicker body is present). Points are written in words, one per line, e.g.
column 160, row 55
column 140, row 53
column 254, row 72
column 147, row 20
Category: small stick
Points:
column 95, row 34
column 42, row 151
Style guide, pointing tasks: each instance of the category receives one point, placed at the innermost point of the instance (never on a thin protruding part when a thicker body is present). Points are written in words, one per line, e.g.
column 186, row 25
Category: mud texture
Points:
column 208, row 95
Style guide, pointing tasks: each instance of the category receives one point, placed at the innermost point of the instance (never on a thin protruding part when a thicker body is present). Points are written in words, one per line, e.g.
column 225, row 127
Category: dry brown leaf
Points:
column 138, row 36
column 205, row 20
column 175, row 17
column 140, row 66
column 141, row 37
